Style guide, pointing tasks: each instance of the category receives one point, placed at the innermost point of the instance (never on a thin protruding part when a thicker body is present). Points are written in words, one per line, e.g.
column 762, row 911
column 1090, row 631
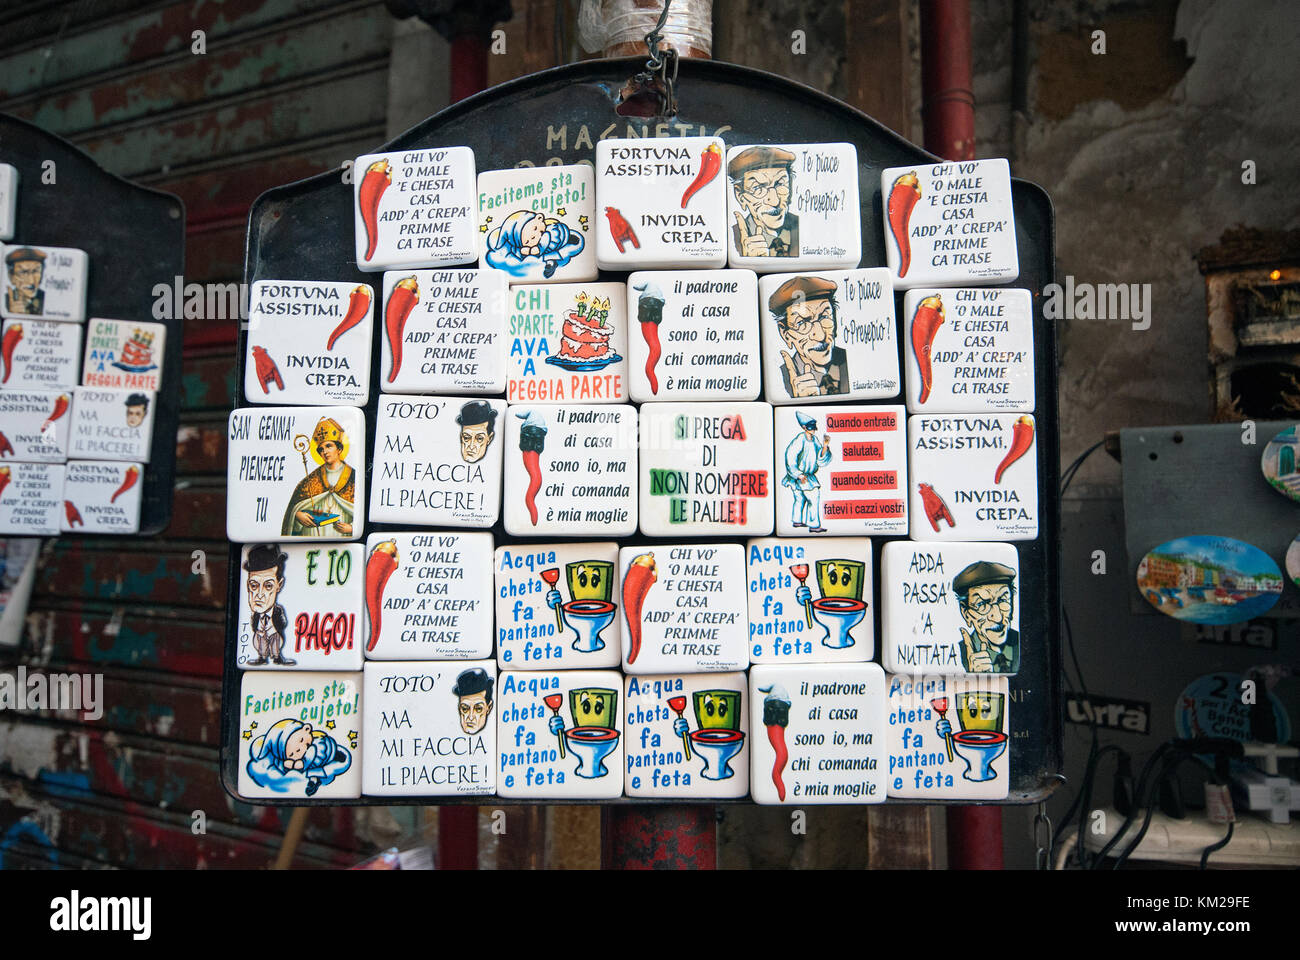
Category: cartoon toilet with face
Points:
column 718, row 738
column 981, row 739
column 591, row 584
column 593, row 735
column 840, row 608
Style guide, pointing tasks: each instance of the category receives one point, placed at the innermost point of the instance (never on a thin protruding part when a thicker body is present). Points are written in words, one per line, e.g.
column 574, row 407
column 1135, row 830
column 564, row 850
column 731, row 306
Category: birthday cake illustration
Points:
column 584, row 341
column 137, row 353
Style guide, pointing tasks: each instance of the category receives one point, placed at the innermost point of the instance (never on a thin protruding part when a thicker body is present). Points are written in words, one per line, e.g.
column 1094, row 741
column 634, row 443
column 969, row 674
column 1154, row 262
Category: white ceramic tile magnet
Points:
column 45, row 283
column 662, row 203
column 829, row 336
column 122, row 355
column 102, row 497
column 309, row 342
column 35, row 425
column 687, row 736
column 571, row 471
column 299, row 472
column 427, row 597
column 8, row 200
column 299, row 735
column 683, row 611
column 706, row 469
column 843, row 470
column 693, row 335
column 973, row 477
column 949, row 738
column 793, row 207
column 444, row 332
column 950, row 608
column 568, row 343
column 560, row 735
column 810, row 600
column 969, row 350
column 31, row 499
column 415, row 208
column 537, row 628
column 112, row 424
column 949, row 224
column 430, row 728
column 438, row 461
column 40, row 355
column 538, row 224
column 819, row 733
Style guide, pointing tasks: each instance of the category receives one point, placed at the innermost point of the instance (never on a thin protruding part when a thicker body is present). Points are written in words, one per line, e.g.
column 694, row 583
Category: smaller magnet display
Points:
column 568, row 343
column 35, row 425
column 112, row 424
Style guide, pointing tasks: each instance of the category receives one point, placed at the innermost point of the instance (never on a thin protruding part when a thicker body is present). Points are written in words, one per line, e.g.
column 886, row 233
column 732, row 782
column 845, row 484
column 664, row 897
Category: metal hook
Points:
column 654, row 36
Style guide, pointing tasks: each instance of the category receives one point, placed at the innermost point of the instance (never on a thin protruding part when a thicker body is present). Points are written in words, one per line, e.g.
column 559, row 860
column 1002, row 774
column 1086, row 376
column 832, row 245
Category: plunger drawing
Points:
column 554, row 701
column 800, row 571
column 678, row 705
column 941, row 707
column 552, row 577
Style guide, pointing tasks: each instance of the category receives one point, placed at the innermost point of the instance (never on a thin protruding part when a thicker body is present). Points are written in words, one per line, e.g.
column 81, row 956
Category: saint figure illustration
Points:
column 322, row 504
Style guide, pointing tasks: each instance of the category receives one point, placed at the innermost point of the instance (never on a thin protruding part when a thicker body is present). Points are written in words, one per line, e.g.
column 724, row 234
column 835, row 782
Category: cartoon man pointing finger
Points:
column 805, row 312
column 986, row 594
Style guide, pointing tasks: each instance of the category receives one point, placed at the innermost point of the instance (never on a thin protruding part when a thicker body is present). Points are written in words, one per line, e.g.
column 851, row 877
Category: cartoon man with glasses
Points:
column 986, row 594
column 761, row 179
column 26, row 271
column 805, row 312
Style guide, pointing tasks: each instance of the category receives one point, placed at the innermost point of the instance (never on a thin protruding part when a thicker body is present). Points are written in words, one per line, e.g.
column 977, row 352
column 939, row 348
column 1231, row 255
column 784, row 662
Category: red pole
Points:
column 469, row 71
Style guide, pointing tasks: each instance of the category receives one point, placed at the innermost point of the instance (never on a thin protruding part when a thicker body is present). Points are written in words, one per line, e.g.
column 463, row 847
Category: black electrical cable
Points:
column 1169, row 766
column 1138, row 794
column 1227, row 838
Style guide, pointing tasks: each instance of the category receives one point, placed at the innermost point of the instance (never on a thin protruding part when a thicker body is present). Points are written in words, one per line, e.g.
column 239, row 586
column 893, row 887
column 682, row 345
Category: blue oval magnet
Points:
column 1209, row 580
column 1280, row 463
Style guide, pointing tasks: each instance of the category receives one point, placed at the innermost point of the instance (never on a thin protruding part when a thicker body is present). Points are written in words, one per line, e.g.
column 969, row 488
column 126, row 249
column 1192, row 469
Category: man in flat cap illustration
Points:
column 762, row 179
column 26, row 271
column 986, row 594
column 803, row 458
column 804, row 309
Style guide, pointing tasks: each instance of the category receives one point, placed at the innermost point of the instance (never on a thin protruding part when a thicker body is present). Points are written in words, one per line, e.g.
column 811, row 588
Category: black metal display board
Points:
column 135, row 240
column 304, row 231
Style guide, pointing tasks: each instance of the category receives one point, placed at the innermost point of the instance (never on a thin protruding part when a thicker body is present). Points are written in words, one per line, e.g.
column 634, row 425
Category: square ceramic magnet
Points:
column 950, row 608
column 300, row 735
column 571, row 471
column 31, row 495
column 687, row 736
column 112, row 424
column 444, row 332
column 101, row 497
column 682, row 611
column 828, row 336
column 8, row 200
column 568, row 343
column 706, row 469
column 309, row 343
column 300, row 473
column 537, row 224
column 537, row 628
column 828, row 720
column 40, row 355
column 35, row 425
column 973, row 477
column 810, row 600
column 949, row 738
column 122, row 355
column 949, row 224
column 430, row 729
column 300, row 607
column 969, row 350
column 437, row 461
column 427, row 597
column 843, row 470
column 662, row 204
column 45, row 283
column 694, row 335
column 560, row 735
column 793, row 207
column 415, row 208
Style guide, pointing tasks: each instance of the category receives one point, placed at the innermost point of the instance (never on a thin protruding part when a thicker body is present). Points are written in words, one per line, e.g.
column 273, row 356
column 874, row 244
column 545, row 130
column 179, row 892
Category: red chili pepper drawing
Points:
column 532, row 440
column 710, row 164
column 128, row 481
column 935, row 508
column 266, row 370
column 640, row 577
column 776, row 717
column 620, row 229
column 4, row 479
column 11, row 338
column 6, row 446
column 60, row 408
column 70, row 511
column 376, row 180
column 400, row 304
column 383, row 561
column 650, row 311
column 357, row 307
column 1022, row 436
column 925, row 324
column 903, row 196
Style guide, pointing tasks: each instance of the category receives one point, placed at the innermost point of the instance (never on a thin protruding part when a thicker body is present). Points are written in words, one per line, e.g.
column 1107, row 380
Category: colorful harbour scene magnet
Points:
column 1278, row 462
column 538, row 224
column 1205, row 579
column 567, row 343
